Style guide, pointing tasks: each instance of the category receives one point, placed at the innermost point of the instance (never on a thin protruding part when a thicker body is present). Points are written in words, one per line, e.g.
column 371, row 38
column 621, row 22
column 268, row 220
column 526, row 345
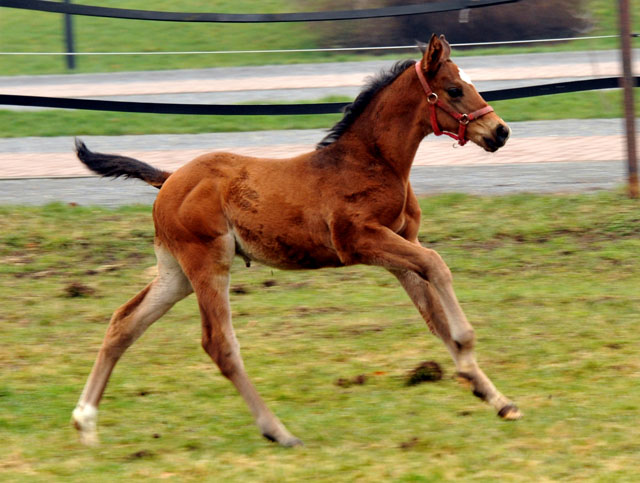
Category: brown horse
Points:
column 347, row 202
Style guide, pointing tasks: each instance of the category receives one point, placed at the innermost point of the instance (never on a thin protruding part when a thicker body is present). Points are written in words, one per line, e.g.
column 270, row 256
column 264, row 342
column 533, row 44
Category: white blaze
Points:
column 465, row 77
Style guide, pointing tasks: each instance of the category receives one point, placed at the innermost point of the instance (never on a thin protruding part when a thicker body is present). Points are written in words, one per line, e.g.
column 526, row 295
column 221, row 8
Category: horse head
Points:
column 454, row 106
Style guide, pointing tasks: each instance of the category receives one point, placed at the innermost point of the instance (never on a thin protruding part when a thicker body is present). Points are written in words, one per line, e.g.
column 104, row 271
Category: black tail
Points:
column 116, row 166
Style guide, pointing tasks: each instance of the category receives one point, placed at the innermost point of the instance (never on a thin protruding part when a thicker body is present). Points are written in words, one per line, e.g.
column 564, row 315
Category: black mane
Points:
column 351, row 112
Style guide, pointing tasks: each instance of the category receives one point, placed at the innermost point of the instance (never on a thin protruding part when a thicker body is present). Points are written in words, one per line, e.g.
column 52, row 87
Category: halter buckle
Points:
column 432, row 98
column 464, row 119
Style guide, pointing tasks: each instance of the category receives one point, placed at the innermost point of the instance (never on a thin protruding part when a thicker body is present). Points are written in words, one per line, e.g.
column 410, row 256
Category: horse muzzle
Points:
column 498, row 139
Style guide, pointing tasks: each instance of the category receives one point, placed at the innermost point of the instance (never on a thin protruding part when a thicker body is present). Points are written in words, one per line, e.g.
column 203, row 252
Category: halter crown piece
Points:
column 463, row 119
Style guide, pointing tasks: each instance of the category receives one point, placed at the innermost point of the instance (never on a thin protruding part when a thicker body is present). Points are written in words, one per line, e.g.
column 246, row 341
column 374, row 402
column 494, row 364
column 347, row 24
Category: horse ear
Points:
column 446, row 46
column 437, row 52
column 422, row 46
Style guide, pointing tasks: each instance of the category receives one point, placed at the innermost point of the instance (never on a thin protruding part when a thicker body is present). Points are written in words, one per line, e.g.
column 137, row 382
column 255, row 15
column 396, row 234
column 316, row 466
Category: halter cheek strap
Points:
column 463, row 119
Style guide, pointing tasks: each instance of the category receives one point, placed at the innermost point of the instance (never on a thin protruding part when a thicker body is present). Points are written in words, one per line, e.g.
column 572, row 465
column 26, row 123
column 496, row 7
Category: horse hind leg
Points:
column 127, row 324
column 219, row 341
column 458, row 336
column 210, row 279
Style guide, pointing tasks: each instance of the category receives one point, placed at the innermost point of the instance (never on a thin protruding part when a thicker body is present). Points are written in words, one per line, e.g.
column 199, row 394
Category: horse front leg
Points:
column 461, row 347
column 428, row 281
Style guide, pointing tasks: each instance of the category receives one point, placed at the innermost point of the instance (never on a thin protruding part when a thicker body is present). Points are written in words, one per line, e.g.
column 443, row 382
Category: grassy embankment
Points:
column 550, row 284
column 95, row 34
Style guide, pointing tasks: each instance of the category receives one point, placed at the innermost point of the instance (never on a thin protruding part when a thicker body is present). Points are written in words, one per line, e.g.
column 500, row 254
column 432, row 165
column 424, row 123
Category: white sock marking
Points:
column 86, row 417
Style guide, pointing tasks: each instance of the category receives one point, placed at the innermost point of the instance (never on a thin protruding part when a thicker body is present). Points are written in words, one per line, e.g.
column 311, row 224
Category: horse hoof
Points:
column 292, row 442
column 510, row 412
column 287, row 442
column 84, row 420
column 89, row 439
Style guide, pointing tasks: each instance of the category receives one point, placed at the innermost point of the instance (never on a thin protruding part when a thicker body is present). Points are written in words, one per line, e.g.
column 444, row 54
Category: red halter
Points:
column 463, row 119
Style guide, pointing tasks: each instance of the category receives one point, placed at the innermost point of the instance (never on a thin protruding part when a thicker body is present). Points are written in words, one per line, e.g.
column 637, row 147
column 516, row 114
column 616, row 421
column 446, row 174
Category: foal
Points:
column 347, row 202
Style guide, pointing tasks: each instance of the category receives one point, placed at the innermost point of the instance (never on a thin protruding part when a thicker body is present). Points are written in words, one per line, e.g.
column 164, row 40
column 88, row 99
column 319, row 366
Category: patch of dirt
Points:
column 299, row 284
column 304, row 310
column 78, row 289
column 17, row 259
column 239, row 290
column 44, row 274
column 142, row 454
column 358, row 380
column 110, row 267
column 342, row 382
column 270, row 283
column 428, row 371
column 405, row 445
column 363, row 330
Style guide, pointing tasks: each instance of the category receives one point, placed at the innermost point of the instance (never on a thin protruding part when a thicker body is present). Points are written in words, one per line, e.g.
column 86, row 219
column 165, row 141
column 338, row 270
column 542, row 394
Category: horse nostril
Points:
column 502, row 133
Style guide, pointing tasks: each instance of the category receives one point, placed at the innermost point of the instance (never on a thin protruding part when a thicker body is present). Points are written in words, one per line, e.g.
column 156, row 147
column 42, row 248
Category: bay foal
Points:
column 347, row 202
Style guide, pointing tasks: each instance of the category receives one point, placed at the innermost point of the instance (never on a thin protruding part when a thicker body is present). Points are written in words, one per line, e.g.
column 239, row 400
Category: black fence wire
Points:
column 286, row 109
column 396, row 11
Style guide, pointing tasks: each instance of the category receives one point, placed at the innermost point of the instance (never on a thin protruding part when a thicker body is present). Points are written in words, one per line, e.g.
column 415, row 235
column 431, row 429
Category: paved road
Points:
column 467, row 169
column 486, row 179
column 557, row 156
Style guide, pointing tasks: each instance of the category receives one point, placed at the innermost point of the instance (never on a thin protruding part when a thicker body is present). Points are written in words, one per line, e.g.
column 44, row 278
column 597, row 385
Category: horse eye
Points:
column 454, row 92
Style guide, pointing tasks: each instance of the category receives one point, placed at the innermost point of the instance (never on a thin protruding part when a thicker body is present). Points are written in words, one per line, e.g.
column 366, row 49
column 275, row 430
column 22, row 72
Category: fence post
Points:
column 629, row 107
column 68, row 37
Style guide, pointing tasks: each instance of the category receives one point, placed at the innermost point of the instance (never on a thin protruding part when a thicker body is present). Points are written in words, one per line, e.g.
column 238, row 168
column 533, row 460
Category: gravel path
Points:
column 488, row 179
column 541, row 157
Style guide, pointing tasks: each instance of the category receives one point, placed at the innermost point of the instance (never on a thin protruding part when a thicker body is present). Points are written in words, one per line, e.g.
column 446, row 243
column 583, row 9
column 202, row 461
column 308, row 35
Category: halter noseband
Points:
column 463, row 119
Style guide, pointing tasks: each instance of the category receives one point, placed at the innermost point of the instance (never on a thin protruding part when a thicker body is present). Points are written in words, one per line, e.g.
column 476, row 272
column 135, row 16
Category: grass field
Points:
column 549, row 282
column 45, row 34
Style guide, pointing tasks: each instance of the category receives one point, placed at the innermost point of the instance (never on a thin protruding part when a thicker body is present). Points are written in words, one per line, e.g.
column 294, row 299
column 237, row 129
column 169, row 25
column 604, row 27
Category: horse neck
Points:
column 393, row 124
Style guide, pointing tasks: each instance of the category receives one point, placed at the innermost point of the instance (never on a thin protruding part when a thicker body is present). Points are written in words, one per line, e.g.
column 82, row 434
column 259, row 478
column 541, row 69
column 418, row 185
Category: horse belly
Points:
column 289, row 251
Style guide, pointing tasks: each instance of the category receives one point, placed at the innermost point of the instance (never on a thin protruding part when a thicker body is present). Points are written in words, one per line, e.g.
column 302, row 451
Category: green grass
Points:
column 75, row 123
column 95, row 34
column 549, row 282
column 27, row 31
column 72, row 123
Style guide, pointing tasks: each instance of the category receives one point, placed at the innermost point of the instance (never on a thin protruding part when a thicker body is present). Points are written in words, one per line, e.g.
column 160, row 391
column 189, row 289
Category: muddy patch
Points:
column 428, row 371
column 78, row 289
column 358, row 380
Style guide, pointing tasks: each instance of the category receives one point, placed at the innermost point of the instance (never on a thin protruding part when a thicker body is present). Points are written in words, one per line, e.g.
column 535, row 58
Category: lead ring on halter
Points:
column 463, row 119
